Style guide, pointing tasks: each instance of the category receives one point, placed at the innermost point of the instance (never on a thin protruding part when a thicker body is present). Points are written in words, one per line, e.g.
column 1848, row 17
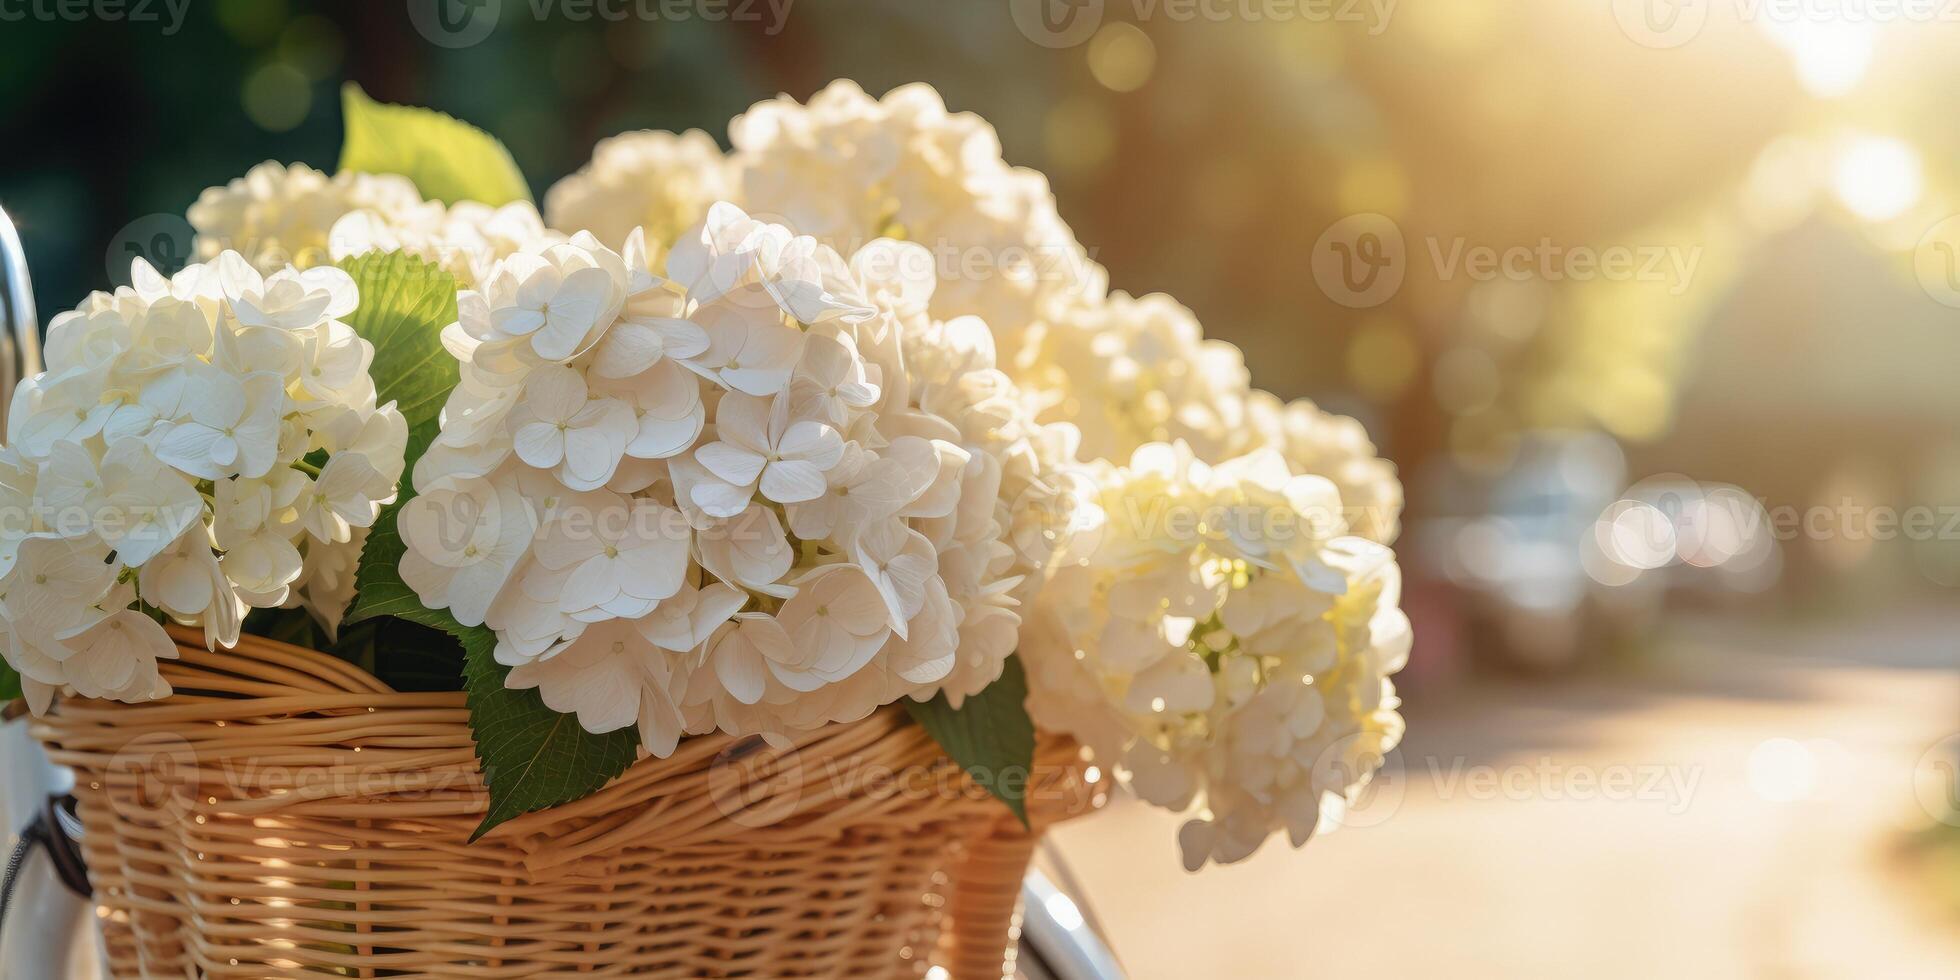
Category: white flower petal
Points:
column 731, row 463
column 789, row 481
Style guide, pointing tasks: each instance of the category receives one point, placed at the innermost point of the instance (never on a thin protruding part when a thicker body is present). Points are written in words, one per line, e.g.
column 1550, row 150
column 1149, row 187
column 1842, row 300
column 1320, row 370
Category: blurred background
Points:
column 1656, row 304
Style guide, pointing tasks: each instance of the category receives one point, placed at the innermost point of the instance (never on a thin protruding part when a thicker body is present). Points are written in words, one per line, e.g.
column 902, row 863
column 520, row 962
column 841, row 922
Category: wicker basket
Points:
column 286, row 815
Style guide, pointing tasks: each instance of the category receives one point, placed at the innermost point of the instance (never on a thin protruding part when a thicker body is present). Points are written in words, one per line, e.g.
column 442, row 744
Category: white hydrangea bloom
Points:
column 280, row 214
column 1338, row 448
column 203, row 444
column 1227, row 646
column 755, row 488
column 656, row 181
column 290, row 214
column 1133, row 371
column 849, row 169
column 466, row 239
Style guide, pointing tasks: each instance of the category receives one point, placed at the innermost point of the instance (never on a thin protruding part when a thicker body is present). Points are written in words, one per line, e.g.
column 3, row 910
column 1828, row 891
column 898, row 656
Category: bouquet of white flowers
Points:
column 717, row 493
column 197, row 446
column 753, row 443
column 1227, row 645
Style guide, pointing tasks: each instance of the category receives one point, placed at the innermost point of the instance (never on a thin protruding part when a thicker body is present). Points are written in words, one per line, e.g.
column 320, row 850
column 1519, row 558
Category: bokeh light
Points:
column 1877, row 177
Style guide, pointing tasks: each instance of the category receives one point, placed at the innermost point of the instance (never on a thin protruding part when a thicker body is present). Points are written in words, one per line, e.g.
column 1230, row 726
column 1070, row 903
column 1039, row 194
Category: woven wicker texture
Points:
column 286, row 815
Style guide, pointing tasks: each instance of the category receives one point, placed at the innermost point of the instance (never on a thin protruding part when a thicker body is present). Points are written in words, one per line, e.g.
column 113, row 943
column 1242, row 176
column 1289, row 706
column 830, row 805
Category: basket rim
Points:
column 166, row 874
column 321, row 706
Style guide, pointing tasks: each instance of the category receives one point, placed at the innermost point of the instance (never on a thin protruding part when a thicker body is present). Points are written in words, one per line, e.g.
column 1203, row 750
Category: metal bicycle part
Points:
column 20, row 346
column 43, row 935
column 1060, row 937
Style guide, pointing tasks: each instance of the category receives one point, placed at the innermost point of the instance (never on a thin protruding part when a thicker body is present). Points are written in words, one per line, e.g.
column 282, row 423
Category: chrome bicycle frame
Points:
column 46, row 919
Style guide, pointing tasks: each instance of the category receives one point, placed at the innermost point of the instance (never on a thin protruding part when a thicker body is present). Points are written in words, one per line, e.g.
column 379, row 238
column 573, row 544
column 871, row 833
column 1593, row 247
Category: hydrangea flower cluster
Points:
column 199, row 445
column 280, row 214
column 1135, row 374
column 1132, row 371
column 758, row 490
column 848, row 169
column 656, row 181
column 1338, row 448
column 1227, row 646
column 466, row 239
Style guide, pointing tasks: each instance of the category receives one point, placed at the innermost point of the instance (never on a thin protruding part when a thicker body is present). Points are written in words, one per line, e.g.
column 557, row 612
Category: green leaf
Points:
column 9, row 682
column 449, row 160
column 378, row 586
column 990, row 735
column 405, row 303
column 533, row 757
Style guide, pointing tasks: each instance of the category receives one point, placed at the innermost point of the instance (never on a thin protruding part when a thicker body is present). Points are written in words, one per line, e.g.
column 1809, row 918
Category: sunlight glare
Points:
column 1877, row 177
column 1830, row 56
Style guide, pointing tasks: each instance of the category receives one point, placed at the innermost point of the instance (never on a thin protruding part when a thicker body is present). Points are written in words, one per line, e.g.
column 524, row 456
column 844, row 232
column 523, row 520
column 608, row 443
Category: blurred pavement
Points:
column 1733, row 809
